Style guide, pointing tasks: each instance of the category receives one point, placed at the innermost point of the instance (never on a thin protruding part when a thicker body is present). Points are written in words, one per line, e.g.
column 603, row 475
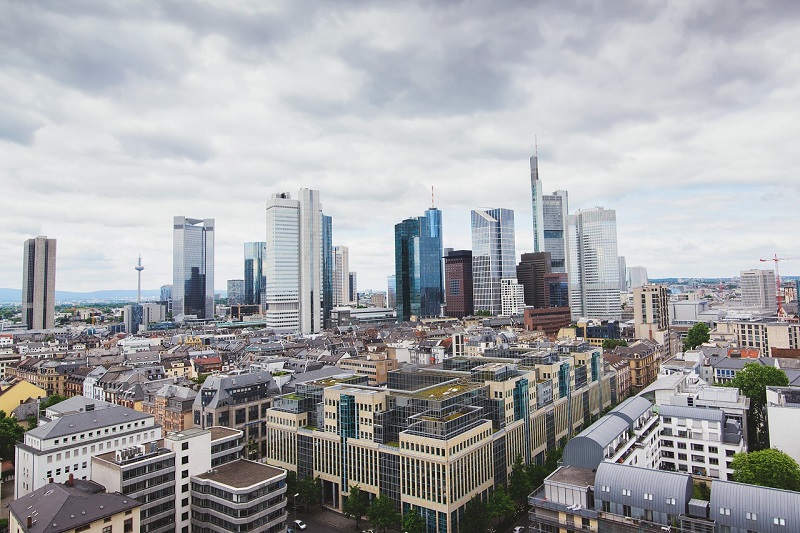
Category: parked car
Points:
column 299, row 524
column 519, row 529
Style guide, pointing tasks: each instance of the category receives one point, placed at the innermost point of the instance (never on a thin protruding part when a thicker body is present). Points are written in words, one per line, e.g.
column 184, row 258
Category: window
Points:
column 185, row 488
column 648, row 496
column 184, row 502
column 82, row 528
column 670, row 501
column 185, row 516
column 106, row 519
column 724, row 511
column 185, row 474
column 751, row 516
column 779, row 521
column 107, row 529
column 606, row 488
column 128, row 525
column 185, row 446
column 626, row 492
column 185, row 460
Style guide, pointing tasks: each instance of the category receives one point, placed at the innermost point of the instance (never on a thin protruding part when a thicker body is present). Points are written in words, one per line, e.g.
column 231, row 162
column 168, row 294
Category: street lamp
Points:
column 294, row 501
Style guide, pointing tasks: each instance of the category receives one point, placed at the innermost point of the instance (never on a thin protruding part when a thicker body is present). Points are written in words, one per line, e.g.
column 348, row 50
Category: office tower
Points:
column 39, row 283
column 352, row 280
column 193, row 267
column 458, row 283
column 132, row 318
column 537, row 199
column 493, row 256
column 341, row 276
column 391, row 291
column 623, row 275
column 166, row 297
column 153, row 313
column 531, row 271
column 294, row 270
column 512, row 297
column 310, row 261
column 637, row 277
column 327, row 270
column 651, row 312
column 255, row 281
column 418, row 270
column 758, row 289
column 138, row 268
column 550, row 219
column 556, row 290
column 593, row 264
column 235, row 291
column 282, row 272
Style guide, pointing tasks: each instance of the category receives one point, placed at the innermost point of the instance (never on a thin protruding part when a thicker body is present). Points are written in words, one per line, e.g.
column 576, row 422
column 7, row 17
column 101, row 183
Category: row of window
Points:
column 776, row 520
column 83, row 436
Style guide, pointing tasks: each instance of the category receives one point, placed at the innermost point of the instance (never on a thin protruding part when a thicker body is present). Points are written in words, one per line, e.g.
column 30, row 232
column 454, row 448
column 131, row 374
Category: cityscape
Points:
column 404, row 288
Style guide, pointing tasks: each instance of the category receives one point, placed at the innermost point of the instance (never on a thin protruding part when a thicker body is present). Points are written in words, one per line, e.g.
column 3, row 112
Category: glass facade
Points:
column 281, row 295
column 327, row 269
column 255, row 281
column 555, row 219
column 193, row 267
column 493, row 256
column 418, row 266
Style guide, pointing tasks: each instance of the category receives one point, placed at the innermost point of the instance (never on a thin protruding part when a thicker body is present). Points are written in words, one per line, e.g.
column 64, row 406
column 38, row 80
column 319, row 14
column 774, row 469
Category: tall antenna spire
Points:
column 535, row 146
column 139, row 269
column 433, row 205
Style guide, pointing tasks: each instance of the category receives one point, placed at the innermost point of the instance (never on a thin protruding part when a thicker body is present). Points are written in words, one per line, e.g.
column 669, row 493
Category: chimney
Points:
column 30, row 521
column 71, row 480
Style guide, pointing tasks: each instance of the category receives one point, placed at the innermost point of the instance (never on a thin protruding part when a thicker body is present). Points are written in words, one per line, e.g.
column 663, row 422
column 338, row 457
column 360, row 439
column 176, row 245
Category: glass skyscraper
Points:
column 193, row 267
column 255, row 281
column 327, row 269
column 594, row 264
column 418, row 266
column 493, row 257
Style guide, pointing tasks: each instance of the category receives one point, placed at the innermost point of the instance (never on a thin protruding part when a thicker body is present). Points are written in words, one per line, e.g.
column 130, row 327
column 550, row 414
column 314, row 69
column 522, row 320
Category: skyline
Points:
column 117, row 118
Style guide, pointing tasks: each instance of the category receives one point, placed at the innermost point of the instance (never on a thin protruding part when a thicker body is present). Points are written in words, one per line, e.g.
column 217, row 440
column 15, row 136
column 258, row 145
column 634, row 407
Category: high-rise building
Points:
column 294, row 270
column 39, row 283
column 391, row 291
column 418, row 265
column 550, row 219
column 623, row 275
column 166, row 297
column 255, row 281
column 352, row 280
column 493, row 256
column 282, row 272
column 637, row 277
column 556, row 290
column 531, row 271
column 132, row 318
column 341, row 276
column 651, row 312
column 235, row 291
column 193, row 267
column 327, row 270
column 593, row 264
column 512, row 297
column 458, row 283
column 758, row 289
column 536, row 201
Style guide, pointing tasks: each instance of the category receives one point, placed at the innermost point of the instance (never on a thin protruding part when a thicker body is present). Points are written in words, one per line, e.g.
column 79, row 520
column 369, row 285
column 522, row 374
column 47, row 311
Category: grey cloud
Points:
column 162, row 145
column 18, row 126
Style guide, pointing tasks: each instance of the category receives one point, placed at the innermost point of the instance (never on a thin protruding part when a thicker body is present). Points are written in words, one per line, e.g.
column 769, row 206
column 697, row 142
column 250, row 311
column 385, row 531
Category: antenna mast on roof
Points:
column 433, row 206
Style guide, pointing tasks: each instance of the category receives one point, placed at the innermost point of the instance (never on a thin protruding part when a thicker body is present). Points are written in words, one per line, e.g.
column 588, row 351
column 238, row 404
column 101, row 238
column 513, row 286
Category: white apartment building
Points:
column 758, row 289
column 64, row 446
column 512, row 298
column 783, row 412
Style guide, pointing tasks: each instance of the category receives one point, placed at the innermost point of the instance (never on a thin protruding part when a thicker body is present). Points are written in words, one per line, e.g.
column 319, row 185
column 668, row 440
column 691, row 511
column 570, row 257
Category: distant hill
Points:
column 114, row 295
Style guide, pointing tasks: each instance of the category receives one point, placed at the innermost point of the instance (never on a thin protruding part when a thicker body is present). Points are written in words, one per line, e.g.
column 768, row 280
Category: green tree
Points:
column 32, row 423
column 310, row 490
column 413, row 522
column 475, row 518
column 752, row 381
column 356, row 505
column 382, row 513
column 500, row 504
column 697, row 335
column 51, row 401
column 768, row 468
column 291, row 485
column 610, row 344
column 520, row 484
column 483, row 312
column 10, row 433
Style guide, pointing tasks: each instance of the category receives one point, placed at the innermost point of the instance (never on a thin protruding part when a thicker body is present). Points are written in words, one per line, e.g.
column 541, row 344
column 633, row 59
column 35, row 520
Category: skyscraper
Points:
column 327, row 270
column 493, row 257
column 352, row 281
column 536, row 200
column 39, row 283
column 294, row 271
column 341, row 275
column 623, row 274
column 594, row 264
column 418, row 265
column 391, row 291
column 637, row 277
column 550, row 220
column 758, row 289
column 255, row 281
column 193, row 267
column 458, row 283
column 531, row 271
column 235, row 291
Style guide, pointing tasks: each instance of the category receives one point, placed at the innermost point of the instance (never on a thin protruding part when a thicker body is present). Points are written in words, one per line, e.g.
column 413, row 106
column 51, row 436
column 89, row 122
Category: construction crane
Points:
column 778, row 296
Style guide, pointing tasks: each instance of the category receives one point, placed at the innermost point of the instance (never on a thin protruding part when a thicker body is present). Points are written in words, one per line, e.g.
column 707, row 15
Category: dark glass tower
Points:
column 327, row 270
column 255, row 281
column 193, row 267
column 418, row 265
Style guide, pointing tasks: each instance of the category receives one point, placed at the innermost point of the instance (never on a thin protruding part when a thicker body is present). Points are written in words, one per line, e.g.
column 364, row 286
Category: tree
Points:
column 356, row 505
column 10, row 433
column 610, row 344
column 310, row 491
column 382, row 513
column 752, row 381
column 521, row 483
column 697, row 335
column 51, row 401
column 500, row 503
column 768, row 468
column 291, row 485
column 413, row 522
column 475, row 518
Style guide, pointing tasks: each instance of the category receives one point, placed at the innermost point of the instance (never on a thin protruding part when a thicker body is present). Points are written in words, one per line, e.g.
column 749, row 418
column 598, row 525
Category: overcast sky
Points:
column 116, row 116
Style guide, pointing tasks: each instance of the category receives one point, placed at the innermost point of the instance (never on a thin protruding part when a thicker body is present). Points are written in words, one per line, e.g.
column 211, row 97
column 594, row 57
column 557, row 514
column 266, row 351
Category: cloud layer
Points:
column 116, row 117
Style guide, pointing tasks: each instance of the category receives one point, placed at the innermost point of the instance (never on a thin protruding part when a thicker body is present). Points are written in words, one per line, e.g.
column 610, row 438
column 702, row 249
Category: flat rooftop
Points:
column 573, row 475
column 185, row 433
column 241, row 473
column 220, row 432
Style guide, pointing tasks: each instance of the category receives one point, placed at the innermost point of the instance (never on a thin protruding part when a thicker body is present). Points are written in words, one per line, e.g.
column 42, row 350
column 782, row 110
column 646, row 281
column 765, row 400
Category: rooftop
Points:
column 219, row 432
column 242, row 473
column 573, row 475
